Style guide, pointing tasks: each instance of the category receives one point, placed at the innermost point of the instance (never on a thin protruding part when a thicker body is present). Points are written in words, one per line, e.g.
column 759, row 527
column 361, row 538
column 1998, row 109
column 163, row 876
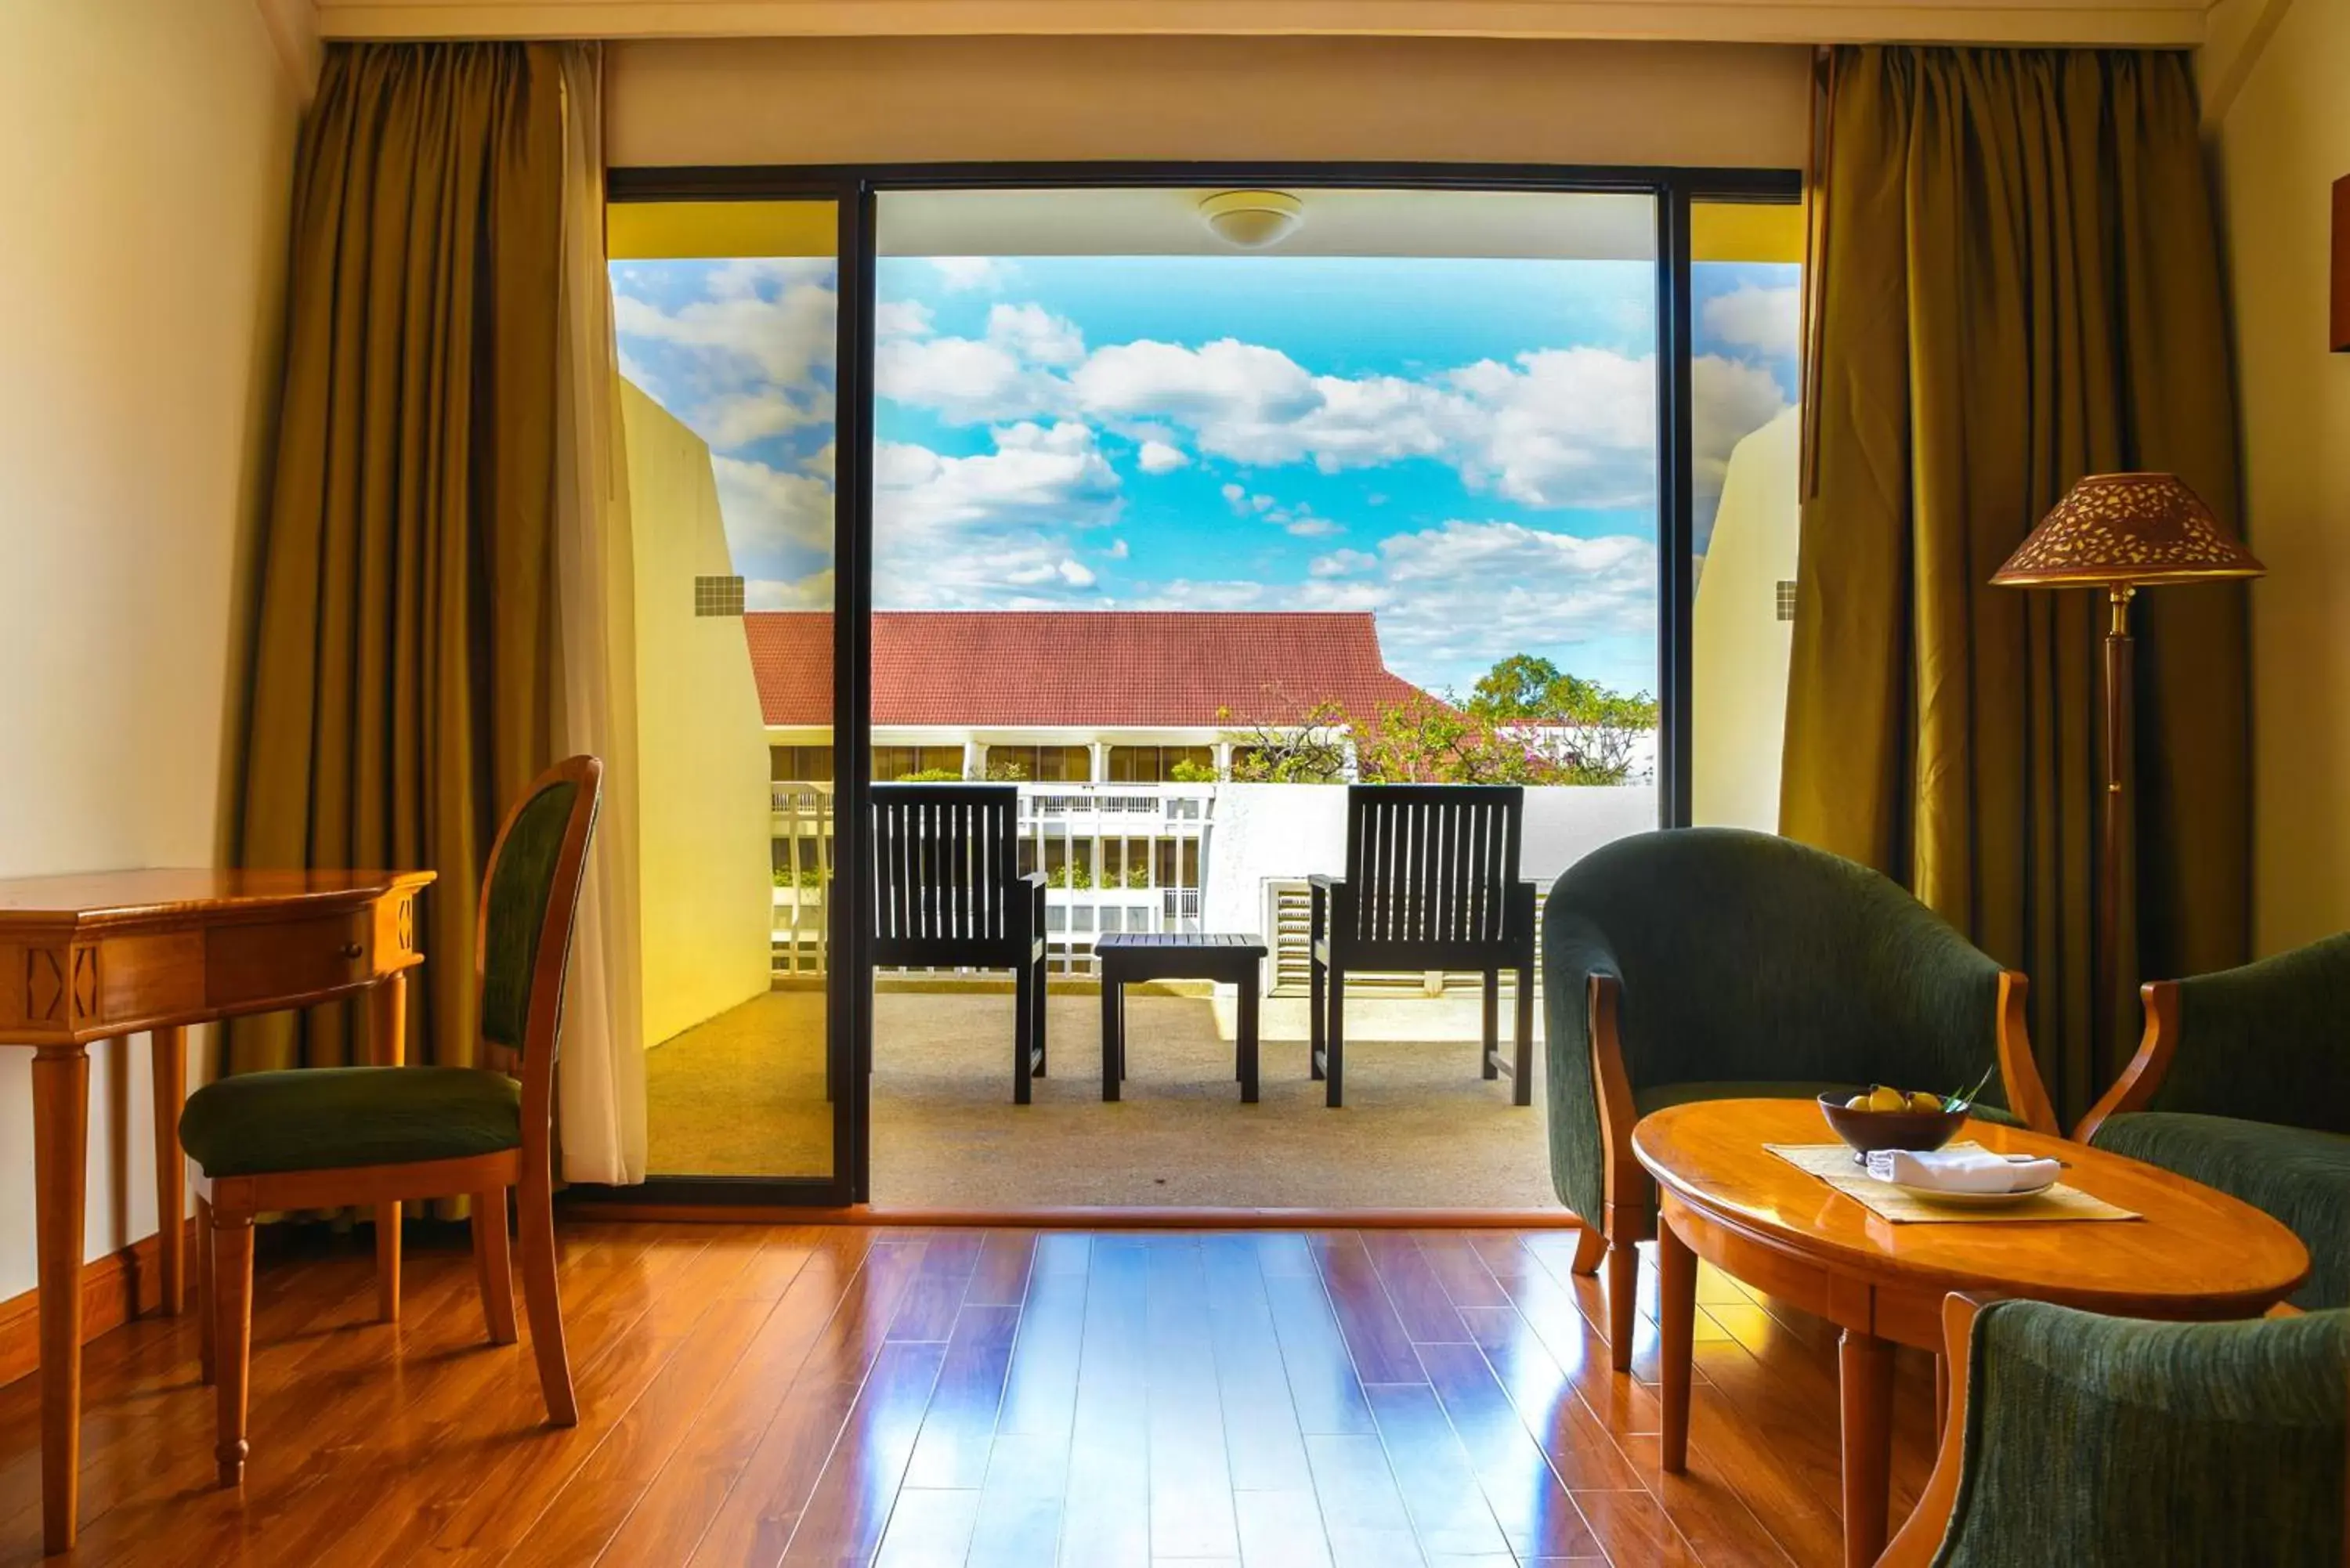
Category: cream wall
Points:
column 1738, row 645
column 146, row 148
column 815, row 101
column 2284, row 139
column 703, row 831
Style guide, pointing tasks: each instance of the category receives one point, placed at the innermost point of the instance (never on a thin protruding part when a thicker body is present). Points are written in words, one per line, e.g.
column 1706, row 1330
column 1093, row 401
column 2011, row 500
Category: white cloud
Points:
column 811, row 592
column 959, row 274
column 1562, row 427
column 995, row 530
column 1158, row 457
column 901, row 319
column 1117, row 550
column 1342, row 563
column 738, row 419
column 768, row 510
column 1768, row 319
column 1729, row 399
column 1036, row 334
column 965, row 381
column 782, row 335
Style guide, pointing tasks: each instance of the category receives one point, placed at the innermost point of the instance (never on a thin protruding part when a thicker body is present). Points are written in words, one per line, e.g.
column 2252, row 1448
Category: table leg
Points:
column 168, row 1049
column 1247, row 1031
column 1676, row 1336
column 1113, row 1027
column 1864, row 1369
column 388, row 1043
column 60, row 1151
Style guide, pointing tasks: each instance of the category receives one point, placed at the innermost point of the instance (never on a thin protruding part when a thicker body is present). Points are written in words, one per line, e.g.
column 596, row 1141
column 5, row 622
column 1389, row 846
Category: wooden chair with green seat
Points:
column 322, row 1137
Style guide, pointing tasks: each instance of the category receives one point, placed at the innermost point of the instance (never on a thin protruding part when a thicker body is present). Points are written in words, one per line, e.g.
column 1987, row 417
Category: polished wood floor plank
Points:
column 753, row 1396
column 1105, row 1513
column 1420, row 1301
column 1535, row 1514
column 1375, row 1335
column 1191, row 1473
column 958, row 1427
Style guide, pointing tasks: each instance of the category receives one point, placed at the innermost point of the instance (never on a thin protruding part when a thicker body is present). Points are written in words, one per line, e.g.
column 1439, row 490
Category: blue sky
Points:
column 1463, row 447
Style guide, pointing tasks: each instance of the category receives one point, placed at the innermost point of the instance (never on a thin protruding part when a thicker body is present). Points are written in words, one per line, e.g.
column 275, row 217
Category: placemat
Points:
column 1833, row 1163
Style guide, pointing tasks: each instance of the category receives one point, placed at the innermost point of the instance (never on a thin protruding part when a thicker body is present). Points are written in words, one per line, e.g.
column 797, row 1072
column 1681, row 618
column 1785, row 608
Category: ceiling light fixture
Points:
column 1252, row 219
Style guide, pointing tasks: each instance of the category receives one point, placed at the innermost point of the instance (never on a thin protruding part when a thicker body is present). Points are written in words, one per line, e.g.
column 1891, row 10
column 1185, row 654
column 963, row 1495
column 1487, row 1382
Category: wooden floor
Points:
column 755, row 1395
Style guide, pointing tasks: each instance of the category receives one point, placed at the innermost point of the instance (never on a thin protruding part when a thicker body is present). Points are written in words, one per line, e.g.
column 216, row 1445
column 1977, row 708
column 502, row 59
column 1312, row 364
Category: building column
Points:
column 974, row 759
column 1100, row 763
column 1223, row 759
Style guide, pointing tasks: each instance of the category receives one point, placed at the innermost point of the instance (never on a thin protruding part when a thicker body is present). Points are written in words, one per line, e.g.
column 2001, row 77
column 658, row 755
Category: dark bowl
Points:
column 1868, row 1131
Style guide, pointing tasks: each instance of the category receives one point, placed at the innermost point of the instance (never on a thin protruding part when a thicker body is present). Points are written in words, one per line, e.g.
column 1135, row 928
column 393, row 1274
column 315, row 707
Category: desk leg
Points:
column 388, row 1042
column 1676, row 1340
column 169, row 1048
column 1113, row 994
column 60, row 1151
column 1864, row 1369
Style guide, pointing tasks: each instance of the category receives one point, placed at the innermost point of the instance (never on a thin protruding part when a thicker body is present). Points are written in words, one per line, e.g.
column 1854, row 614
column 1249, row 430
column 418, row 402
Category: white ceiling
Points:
column 2162, row 22
column 1141, row 221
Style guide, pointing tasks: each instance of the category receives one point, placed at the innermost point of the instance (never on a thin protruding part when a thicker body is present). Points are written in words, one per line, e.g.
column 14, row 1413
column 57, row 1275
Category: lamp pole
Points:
column 2115, row 801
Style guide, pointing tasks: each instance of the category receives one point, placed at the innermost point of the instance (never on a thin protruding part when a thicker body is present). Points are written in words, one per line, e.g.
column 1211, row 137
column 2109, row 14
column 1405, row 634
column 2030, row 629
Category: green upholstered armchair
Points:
column 1715, row 963
column 2095, row 1441
column 2242, row 1082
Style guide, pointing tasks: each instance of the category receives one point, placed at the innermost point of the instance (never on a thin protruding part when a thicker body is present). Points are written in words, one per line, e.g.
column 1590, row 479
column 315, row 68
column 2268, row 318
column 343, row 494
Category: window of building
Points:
column 1159, row 764
column 900, row 763
column 800, row 764
column 1041, row 765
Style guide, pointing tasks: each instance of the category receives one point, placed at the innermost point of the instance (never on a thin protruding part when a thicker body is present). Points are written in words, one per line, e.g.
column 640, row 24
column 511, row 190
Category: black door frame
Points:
column 854, row 190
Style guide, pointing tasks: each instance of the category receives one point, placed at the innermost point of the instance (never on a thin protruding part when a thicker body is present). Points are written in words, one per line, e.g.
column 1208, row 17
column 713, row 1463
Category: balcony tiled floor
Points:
column 742, row 1094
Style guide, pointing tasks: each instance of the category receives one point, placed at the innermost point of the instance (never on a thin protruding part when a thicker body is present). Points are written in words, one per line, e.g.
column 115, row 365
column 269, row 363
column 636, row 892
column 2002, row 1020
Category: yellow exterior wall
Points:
column 1739, row 646
column 816, row 101
column 147, row 161
column 2283, row 141
column 702, row 811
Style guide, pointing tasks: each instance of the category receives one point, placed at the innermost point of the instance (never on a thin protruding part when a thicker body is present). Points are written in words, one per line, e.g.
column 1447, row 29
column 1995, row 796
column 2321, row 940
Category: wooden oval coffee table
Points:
column 1723, row 1197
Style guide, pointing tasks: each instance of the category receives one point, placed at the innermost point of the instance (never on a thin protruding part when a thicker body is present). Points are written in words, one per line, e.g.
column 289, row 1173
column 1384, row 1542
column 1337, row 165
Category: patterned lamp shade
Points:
column 2117, row 529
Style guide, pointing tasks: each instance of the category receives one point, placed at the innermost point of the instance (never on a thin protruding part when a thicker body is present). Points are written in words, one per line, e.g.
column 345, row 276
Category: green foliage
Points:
column 1010, row 770
column 805, row 878
column 1186, row 771
column 1575, row 731
column 931, row 776
column 1310, row 748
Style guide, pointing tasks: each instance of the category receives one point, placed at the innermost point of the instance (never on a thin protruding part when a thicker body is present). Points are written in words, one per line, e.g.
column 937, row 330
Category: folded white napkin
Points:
column 1961, row 1171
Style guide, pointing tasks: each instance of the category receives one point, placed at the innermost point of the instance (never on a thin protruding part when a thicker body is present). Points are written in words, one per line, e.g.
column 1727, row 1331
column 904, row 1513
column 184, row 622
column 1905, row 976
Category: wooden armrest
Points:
column 1921, row 1536
column 2019, row 1072
column 2134, row 1090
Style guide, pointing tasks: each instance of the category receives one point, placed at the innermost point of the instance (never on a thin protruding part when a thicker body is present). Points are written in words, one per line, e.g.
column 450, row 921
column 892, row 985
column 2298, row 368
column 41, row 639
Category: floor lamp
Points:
column 2121, row 532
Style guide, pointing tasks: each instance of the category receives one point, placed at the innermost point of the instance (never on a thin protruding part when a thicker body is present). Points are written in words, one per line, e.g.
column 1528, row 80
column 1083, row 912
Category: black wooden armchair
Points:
column 1431, row 883
column 948, row 891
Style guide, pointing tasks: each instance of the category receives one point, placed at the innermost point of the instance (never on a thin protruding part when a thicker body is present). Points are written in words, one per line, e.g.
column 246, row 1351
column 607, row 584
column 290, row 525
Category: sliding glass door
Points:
column 1173, row 507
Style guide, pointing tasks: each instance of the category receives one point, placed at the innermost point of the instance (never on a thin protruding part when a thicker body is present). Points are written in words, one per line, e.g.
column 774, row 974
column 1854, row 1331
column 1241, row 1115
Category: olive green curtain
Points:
column 403, row 661
column 2016, row 281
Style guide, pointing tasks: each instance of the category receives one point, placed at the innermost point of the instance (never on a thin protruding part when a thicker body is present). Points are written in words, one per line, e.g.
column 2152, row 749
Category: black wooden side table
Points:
column 1176, row 955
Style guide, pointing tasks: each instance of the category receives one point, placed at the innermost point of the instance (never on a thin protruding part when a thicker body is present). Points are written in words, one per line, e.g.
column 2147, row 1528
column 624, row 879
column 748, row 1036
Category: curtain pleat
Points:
column 404, row 659
column 2024, row 289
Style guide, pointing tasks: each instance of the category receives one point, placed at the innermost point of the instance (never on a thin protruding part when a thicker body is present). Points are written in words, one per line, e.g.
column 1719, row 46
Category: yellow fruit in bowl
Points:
column 1922, row 1101
column 1858, row 1103
column 1881, row 1098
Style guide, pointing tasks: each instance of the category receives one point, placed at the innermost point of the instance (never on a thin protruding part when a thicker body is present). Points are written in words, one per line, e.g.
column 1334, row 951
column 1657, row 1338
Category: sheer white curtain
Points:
column 601, row 1085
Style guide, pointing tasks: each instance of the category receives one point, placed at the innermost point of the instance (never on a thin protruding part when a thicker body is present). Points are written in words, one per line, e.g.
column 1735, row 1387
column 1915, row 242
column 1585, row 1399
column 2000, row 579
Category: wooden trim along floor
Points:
column 761, row 1396
column 115, row 1289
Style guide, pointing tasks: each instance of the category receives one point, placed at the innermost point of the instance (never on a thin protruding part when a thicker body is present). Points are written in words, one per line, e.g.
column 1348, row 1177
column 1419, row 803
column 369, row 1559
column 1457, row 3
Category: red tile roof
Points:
column 1106, row 668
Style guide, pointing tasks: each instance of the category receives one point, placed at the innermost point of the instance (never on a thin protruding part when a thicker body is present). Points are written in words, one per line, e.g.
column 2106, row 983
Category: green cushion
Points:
column 2301, row 1178
column 2268, row 1042
column 331, row 1118
column 2095, row 1440
column 519, row 892
column 1743, row 956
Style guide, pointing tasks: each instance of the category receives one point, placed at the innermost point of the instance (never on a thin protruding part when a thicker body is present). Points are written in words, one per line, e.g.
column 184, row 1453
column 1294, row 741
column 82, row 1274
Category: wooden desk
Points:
column 108, row 955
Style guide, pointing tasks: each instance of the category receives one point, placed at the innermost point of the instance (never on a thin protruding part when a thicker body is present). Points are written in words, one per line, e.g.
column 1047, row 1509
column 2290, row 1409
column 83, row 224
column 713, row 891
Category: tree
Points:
column 1585, row 733
column 1422, row 740
column 1310, row 747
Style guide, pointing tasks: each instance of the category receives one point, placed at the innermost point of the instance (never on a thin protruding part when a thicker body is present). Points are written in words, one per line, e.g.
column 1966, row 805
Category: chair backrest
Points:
column 1747, row 956
column 2267, row 1042
column 946, row 871
column 2103, row 1440
column 1434, row 867
column 530, row 895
